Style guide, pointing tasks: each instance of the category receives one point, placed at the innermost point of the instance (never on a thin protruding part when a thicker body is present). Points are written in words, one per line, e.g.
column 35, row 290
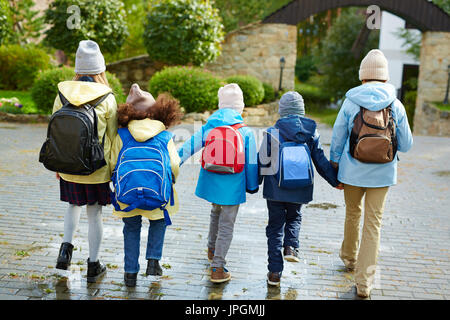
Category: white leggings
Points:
column 95, row 233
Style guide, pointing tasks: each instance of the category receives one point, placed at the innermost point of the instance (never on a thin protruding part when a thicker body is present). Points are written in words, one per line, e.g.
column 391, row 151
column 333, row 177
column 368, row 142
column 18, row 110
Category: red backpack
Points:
column 224, row 150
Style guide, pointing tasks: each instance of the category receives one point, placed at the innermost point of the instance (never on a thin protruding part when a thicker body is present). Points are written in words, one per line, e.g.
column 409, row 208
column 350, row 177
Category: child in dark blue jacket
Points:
column 284, row 204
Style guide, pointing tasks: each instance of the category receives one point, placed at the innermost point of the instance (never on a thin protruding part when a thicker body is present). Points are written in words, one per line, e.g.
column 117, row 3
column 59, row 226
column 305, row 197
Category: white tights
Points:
column 95, row 233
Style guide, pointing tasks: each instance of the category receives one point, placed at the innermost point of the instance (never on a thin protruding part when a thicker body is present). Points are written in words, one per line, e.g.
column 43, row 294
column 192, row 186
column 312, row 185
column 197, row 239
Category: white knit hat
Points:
column 231, row 96
column 374, row 66
column 89, row 59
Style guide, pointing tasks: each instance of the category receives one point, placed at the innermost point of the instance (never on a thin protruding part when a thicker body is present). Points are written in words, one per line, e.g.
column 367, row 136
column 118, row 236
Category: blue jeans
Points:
column 132, row 239
column 282, row 230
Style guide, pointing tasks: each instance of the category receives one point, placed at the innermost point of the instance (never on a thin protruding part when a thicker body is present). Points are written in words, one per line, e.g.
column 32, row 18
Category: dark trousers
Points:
column 283, row 230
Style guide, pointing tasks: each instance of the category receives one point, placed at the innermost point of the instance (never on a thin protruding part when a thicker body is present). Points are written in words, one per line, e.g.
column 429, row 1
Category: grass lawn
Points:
column 25, row 100
column 443, row 107
column 327, row 116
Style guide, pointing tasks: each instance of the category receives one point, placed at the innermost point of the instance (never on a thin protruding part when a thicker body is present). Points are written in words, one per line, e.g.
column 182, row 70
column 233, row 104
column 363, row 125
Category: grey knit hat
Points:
column 89, row 59
column 291, row 103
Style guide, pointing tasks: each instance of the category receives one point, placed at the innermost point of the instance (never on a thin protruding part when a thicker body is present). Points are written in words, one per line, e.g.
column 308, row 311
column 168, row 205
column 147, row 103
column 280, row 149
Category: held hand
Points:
column 253, row 191
column 340, row 186
column 334, row 165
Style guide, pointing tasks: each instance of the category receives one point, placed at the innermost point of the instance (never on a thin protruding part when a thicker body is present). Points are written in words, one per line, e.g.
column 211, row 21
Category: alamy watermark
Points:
column 373, row 17
column 74, row 20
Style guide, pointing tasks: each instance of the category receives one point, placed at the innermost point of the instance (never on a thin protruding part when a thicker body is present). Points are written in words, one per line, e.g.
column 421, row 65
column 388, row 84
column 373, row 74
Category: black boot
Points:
column 130, row 279
column 95, row 270
column 64, row 256
column 153, row 268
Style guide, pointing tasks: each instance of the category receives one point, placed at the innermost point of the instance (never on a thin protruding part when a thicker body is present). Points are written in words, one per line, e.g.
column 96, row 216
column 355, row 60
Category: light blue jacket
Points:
column 224, row 189
column 373, row 96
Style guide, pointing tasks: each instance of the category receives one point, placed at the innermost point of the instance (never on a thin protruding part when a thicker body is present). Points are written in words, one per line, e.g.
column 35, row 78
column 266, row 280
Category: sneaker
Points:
column 130, row 279
column 153, row 268
column 273, row 278
column 64, row 256
column 362, row 291
column 95, row 271
column 219, row 275
column 291, row 254
column 210, row 254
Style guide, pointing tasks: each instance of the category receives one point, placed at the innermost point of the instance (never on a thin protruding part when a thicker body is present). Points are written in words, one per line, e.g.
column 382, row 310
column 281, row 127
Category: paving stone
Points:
column 414, row 259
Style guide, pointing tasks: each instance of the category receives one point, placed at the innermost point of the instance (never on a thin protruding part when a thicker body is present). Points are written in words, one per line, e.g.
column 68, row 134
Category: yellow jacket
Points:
column 142, row 130
column 78, row 93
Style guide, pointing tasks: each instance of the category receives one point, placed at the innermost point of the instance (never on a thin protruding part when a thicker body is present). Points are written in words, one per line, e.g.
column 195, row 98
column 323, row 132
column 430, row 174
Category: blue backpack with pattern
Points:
column 142, row 177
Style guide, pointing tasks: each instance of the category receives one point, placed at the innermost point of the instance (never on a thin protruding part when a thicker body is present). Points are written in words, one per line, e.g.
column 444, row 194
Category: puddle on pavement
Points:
column 323, row 206
column 442, row 173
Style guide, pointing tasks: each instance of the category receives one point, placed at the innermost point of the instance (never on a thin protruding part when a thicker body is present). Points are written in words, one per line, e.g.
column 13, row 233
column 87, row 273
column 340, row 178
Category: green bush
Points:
column 251, row 87
column 45, row 88
column 101, row 21
column 195, row 88
column 20, row 65
column 316, row 99
column 180, row 32
column 269, row 93
column 410, row 106
column 305, row 67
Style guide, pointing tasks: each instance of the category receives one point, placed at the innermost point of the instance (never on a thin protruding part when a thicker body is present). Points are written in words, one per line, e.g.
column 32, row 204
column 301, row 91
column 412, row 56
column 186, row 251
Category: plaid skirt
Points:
column 81, row 194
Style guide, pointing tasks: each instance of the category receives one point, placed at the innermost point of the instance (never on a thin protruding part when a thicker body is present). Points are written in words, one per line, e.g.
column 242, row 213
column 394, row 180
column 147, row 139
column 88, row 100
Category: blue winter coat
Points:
column 301, row 130
column 373, row 96
column 224, row 189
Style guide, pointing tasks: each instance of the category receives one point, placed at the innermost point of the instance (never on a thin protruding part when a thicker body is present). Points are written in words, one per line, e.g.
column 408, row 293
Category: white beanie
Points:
column 89, row 59
column 231, row 96
column 374, row 66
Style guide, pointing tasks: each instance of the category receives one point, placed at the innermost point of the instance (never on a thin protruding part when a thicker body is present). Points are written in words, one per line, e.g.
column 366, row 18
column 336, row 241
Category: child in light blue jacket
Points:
column 225, row 191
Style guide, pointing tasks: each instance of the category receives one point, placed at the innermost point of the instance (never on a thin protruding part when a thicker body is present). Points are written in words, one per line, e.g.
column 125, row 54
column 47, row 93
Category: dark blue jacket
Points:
column 301, row 130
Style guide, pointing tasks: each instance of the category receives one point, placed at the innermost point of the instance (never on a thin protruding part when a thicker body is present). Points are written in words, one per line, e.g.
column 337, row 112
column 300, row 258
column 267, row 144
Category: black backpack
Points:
column 72, row 145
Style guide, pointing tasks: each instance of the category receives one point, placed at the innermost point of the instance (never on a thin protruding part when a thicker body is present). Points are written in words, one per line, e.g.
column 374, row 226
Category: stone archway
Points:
column 257, row 48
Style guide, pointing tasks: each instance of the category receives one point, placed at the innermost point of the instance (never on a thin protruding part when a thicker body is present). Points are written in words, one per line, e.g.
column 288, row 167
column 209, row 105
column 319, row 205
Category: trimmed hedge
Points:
column 20, row 65
column 269, row 93
column 45, row 88
column 195, row 88
column 252, row 88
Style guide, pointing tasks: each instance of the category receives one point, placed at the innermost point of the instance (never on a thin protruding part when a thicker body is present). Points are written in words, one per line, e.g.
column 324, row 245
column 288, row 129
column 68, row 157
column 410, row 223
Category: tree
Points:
column 5, row 21
column 337, row 63
column 26, row 22
column 74, row 20
column 183, row 32
column 237, row 13
column 443, row 4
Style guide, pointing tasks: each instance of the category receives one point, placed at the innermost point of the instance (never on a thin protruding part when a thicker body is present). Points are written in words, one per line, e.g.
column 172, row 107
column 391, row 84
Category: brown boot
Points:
column 273, row 278
column 219, row 275
column 210, row 254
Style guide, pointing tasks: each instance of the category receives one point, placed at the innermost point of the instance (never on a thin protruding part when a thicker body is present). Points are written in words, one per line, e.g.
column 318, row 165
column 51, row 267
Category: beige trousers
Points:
column 365, row 260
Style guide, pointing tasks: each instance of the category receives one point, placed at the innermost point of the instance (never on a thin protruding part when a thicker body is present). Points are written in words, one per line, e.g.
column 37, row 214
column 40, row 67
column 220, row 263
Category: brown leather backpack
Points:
column 373, row 138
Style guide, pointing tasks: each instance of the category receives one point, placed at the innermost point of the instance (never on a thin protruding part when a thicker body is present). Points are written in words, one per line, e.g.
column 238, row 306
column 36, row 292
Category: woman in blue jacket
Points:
column 370, row 179
column 283, row 204
column 225, row 191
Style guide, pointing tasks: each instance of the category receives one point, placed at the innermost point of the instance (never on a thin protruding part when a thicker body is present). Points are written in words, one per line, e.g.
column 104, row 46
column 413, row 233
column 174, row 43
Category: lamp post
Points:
column 282, row 64
column 448, row 85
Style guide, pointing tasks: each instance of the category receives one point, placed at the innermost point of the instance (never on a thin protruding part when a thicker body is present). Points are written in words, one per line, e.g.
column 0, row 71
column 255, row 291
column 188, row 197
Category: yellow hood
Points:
column 142, row 130
column 81, row 92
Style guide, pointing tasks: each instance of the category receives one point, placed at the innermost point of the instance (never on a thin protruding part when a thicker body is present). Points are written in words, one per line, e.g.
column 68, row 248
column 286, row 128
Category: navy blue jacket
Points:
column 298, row 129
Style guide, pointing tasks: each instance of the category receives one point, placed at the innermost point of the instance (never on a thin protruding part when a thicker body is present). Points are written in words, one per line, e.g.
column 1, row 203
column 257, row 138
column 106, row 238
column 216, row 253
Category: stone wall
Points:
column 138, row 70
column 437, row 121
column 256, row 50
column 264, row 115
column 432, row 85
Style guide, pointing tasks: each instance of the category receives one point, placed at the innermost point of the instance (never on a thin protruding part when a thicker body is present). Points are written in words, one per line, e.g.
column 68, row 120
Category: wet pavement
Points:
column 414, row 261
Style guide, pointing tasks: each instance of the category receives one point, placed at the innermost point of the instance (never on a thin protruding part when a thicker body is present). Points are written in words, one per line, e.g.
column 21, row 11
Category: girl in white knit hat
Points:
column 89, row 84
column 224, row 184
column 363, row 178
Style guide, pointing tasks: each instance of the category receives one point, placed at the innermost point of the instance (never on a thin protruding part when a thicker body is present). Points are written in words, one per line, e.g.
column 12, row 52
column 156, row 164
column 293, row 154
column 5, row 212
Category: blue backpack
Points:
column 142, row 177
column 295, row 166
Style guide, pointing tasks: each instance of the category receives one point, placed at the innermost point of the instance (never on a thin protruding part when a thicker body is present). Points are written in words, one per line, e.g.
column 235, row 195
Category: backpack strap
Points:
column 237, row 126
